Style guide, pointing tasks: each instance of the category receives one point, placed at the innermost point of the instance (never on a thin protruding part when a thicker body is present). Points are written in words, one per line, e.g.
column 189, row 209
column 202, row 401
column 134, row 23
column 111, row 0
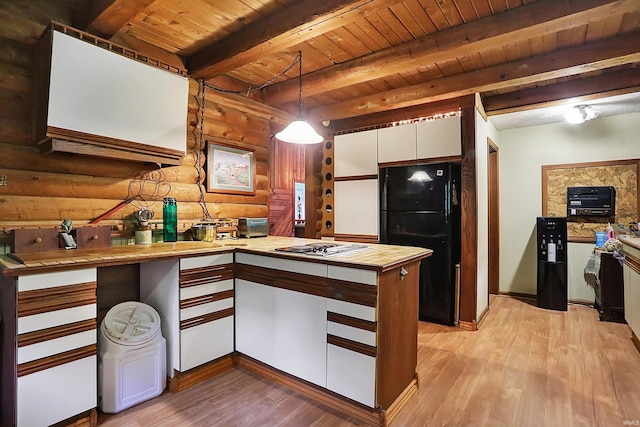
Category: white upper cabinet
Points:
column 356, row 207
column 355, row 154
column 439, row 138
column 397, row 143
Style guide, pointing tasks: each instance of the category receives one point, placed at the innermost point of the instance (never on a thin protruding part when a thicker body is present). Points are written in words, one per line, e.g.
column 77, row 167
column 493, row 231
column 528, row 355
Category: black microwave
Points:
column 591, row 201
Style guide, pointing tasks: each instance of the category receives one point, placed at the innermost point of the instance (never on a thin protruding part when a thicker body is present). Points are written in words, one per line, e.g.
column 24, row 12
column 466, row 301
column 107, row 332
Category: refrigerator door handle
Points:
column 454, row 195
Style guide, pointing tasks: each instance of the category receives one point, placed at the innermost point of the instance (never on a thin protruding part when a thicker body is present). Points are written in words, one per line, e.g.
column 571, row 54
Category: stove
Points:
column 321, row 249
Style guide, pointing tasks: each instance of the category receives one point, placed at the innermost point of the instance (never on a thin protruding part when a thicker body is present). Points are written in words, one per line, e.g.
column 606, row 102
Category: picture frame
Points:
column 230, row 169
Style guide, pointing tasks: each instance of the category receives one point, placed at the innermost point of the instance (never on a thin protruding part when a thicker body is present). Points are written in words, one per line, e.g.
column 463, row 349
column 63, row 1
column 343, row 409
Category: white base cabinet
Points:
column 351, row 374
column 50, row 396
column 57, row 361
column 255, row 320
column 631, row 275
column 301, row 335
column 282, row 328
column 195, row 299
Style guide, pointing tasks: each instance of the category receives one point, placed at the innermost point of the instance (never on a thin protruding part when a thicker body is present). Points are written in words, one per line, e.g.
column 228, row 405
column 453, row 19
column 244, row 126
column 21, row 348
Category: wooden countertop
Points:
column 631, row 241
column 373, row 257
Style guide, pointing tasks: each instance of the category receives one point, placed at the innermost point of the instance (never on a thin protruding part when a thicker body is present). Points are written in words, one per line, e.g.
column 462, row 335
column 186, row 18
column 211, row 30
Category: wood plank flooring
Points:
column 525, row 366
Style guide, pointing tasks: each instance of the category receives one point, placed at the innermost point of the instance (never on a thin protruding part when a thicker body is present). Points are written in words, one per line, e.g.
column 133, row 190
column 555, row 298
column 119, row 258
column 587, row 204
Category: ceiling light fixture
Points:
column 581, row 113
column 299, row 131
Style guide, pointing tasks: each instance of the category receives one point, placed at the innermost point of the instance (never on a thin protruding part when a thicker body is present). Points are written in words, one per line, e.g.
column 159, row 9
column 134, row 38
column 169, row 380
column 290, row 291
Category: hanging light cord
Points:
column 300, row 85
column 201, row 201
column 203, row 85
column 251, row 89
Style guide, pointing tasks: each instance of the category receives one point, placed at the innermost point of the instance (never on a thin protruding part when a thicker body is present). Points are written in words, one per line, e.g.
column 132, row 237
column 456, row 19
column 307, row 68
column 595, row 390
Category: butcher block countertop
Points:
column 632, row 241
column 373, row 257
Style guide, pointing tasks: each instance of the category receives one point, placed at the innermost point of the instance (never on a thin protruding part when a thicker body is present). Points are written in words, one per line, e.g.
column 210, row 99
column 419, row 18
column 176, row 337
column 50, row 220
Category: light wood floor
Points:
column 525, row 367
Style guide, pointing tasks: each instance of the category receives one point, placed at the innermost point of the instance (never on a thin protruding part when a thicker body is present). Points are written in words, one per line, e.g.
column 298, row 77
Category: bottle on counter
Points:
column 169, row 219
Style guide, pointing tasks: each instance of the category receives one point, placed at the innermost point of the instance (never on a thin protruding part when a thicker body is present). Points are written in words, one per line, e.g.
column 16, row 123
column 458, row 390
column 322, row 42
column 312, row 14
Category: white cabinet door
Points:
column 52, row 395
column 397, row 143
column 356, row 207
column 206, row 342
column 632, row 301
column 355, row 154
column 351, row 374
column 301, row 335
column 255, row 320
column 439, row 138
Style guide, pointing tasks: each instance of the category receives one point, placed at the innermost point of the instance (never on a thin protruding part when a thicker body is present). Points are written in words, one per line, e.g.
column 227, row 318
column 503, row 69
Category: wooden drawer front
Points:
column 206, row 313
column 206, row 304
column 42, row 349
column 303, row 267
column 351, row 374
column 205, row 261
column 209, row 288
column 56, row 318
column 349, row 328
column 43, row 300
column 205, row 342
column 367, row 277
column 352, row 310
column 632, row 258
column 204, row 275
column 52, row 280
column 44, row 397
column 298, row 282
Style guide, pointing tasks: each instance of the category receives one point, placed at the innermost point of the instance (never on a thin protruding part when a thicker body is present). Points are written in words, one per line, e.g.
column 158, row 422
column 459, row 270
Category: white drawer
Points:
column 205, row 261
column 44, row 397
column 56, row 346
column 367, row 277
column 52, row 280
column 201, row 310
column 56, row 318
column 209, row 288
column 206, row 342
column 350, row 309
column 302, row 267
column 351, row 374
column 351, row 333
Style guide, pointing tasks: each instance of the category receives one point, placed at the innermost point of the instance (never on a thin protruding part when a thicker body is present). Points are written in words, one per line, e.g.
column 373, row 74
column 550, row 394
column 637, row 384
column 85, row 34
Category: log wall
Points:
column 42, row 190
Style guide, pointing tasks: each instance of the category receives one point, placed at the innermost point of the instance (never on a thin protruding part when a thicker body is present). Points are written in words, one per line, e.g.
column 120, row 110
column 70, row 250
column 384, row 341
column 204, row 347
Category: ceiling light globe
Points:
column 299, row 132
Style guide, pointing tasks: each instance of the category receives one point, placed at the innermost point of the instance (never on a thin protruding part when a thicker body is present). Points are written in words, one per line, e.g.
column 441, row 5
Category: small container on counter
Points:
column 169, row 220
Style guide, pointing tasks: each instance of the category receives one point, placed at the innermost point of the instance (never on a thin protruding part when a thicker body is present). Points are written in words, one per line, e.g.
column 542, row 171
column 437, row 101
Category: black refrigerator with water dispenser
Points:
column 552, row 263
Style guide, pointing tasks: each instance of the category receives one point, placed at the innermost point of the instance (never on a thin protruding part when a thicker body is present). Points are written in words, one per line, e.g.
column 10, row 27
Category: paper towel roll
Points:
column 551, row 252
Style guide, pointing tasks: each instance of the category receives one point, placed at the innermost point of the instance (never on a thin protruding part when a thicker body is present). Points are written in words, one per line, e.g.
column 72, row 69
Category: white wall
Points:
column 523, row 152
column 484, row 130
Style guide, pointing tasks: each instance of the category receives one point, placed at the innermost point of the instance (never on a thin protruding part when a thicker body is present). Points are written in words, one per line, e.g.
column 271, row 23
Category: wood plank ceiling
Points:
column 368, row 56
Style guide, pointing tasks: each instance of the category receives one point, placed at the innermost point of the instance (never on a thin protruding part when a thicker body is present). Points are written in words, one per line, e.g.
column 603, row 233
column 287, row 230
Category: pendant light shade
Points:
column 420, row 176
column 299, row 131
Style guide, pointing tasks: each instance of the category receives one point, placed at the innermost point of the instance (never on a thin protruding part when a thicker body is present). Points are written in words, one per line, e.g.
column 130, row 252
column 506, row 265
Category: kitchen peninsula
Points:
column 340, row 329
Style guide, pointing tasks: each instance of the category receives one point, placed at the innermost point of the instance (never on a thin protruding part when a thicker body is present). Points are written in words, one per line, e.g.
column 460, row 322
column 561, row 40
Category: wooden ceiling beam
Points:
column 608, row 84
column 298, row 22
column 590, row 57
column 522, row 23
column 105, row 18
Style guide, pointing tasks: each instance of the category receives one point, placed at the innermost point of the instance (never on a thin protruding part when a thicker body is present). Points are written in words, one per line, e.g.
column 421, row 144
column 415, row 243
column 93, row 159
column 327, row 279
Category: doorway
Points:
column 494, row 218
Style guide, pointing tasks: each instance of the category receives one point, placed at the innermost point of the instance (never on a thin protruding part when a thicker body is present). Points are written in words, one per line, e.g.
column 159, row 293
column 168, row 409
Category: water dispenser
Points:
column 552, row 263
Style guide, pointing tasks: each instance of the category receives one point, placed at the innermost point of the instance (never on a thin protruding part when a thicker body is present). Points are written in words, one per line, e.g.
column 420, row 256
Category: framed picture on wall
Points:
column 230, row 170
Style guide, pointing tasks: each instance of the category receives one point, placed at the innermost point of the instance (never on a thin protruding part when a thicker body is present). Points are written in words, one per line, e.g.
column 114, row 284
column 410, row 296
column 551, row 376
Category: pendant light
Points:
column 419, row 175
column 299, row 131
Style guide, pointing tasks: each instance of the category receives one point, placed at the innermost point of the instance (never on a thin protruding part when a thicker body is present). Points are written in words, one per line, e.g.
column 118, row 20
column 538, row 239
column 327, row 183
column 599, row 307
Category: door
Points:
column 494, row 220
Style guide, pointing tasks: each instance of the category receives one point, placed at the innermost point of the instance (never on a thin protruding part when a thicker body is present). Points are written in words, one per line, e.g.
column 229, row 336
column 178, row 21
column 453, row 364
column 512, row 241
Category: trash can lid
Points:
column 131, row 323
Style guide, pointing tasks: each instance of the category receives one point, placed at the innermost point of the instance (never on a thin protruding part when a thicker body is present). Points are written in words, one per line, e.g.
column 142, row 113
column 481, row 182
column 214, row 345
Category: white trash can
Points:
column 132, row 357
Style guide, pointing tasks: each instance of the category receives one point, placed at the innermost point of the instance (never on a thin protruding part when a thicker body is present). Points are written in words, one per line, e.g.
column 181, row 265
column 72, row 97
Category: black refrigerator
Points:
column 420, row 206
